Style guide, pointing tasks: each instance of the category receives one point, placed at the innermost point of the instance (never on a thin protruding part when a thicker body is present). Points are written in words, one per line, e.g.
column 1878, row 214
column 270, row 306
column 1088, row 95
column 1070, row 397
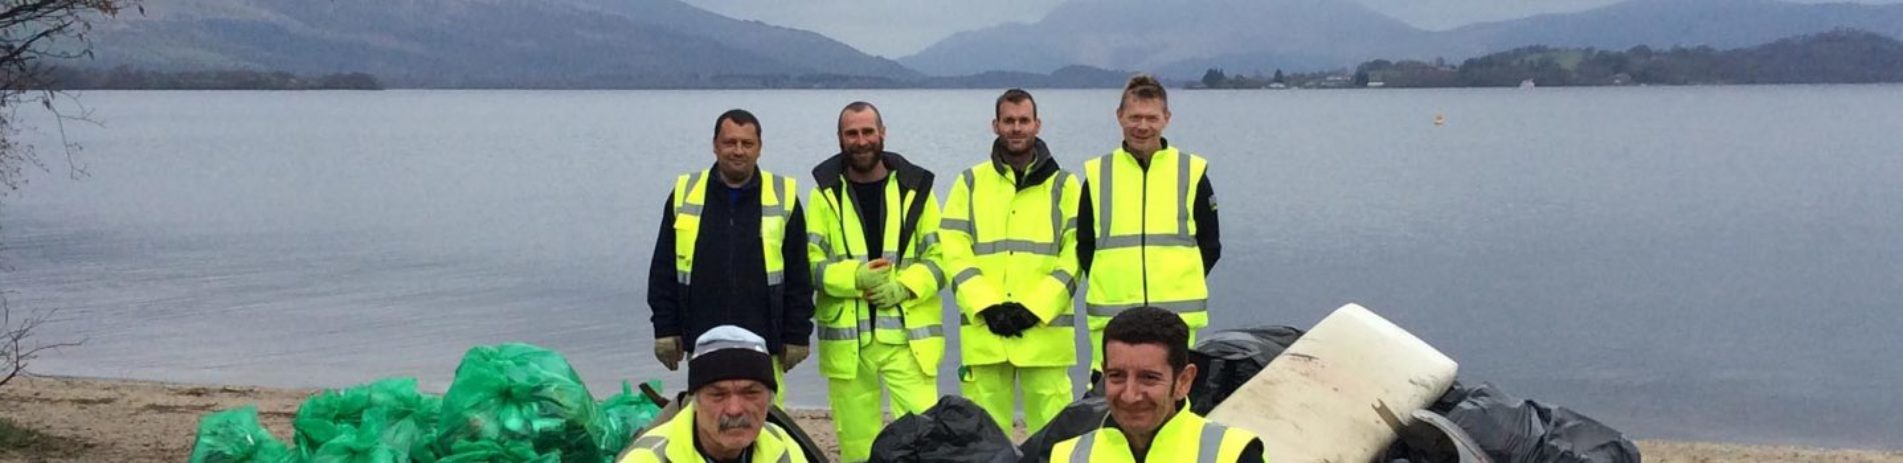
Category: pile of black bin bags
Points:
column 1506, row 428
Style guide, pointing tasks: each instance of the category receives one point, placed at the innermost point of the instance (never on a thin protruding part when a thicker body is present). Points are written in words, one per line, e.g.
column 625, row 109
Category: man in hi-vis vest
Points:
column 1147, row 234
column 1010, row 233
column 873, row 224
column 732, row 251
column 1147, row 377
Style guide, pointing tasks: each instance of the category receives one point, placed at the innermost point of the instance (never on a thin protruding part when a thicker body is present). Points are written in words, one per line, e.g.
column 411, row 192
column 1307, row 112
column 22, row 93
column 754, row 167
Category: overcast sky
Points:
column 895, row 28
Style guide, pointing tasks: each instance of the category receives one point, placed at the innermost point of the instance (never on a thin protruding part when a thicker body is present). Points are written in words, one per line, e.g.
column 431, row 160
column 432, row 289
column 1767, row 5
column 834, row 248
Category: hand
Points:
column 889, row 295
column 1019, row 317
column 793, row 354
column 995, row 321
column 872, row 275
column 668, row 351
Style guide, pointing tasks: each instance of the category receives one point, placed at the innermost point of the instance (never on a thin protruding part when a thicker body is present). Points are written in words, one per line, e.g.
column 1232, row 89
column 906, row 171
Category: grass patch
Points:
column 20, row 440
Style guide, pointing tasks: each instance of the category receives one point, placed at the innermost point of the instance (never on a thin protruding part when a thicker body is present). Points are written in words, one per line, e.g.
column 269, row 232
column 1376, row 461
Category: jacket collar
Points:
column 1042, row 165
column 714, row 179
column 831, row 172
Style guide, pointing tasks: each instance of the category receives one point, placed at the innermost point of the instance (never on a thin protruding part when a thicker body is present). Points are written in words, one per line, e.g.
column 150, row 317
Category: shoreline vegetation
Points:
column 85, row 419
column 1838, row 56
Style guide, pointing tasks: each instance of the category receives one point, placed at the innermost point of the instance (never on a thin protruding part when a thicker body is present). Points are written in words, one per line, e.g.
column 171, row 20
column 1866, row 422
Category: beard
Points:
column 863, row 157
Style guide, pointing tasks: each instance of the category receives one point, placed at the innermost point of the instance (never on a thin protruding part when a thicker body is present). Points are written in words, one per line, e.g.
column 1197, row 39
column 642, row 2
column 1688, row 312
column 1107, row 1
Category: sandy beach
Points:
column 90, row 420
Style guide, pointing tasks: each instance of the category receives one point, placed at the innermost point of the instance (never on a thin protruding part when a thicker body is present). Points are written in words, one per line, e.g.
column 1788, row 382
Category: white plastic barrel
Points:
column 1340, row 391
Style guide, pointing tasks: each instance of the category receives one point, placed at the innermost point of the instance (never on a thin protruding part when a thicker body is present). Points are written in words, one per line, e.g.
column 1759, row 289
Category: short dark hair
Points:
column 1150, row 325
column 739, row 117
column 861, row 106
column 1016, row 95
column 1144, row 87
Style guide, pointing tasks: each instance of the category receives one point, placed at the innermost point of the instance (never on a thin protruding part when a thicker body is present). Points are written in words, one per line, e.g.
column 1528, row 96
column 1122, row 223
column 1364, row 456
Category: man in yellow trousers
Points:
column 1010, row 232
column 873, row 242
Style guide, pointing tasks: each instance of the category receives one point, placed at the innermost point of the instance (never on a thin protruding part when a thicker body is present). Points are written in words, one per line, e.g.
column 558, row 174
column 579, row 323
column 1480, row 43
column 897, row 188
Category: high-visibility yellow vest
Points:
column 1005, row 244
column 776, row 208
column 673, row 442
column 1186, row 437
column 1146, row 251
column 836, row 245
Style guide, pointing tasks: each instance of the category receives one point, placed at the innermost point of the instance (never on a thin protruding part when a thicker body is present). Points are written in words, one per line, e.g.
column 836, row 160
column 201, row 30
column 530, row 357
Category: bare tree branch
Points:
column 17, row 351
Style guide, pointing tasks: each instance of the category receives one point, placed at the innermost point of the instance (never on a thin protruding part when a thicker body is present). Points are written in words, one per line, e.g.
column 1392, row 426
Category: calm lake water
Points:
column 1717, row 263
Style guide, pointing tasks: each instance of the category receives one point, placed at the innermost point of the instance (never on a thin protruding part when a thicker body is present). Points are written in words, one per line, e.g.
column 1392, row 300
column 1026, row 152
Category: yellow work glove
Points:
column 793, row 355
column 873, row 275
column 888, row 295
column 668, row 351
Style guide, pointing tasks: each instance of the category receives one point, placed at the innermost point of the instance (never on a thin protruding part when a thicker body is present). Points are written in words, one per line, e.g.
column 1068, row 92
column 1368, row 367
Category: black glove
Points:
column 995, row 319
column 1019, row 317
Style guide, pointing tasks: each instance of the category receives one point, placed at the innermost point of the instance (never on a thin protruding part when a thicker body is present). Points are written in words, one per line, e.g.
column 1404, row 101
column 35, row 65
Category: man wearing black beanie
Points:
column 731, row 381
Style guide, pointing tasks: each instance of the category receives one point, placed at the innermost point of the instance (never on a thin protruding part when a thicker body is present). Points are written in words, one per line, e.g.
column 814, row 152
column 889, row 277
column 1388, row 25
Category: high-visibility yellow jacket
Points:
column 1186, row 437
column 1012, row 237
column 673, row 442
column 837, row 250
column 1145, row 249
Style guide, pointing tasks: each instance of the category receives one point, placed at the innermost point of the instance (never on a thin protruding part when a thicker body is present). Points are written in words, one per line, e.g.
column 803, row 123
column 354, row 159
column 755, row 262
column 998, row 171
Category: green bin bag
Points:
column 234, row 436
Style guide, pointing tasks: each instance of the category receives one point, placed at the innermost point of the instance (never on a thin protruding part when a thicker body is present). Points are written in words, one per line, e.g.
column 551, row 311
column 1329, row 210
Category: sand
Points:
column 90, row 420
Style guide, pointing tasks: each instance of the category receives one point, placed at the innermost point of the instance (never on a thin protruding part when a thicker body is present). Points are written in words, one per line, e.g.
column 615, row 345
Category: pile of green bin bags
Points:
column 508, row 403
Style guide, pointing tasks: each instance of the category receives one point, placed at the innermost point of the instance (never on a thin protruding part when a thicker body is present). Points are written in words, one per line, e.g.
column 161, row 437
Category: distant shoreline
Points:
column 91, row 419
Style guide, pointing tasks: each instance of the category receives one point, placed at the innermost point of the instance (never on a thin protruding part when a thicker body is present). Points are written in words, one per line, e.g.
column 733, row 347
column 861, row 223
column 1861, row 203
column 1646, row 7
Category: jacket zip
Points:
column 1143, row 230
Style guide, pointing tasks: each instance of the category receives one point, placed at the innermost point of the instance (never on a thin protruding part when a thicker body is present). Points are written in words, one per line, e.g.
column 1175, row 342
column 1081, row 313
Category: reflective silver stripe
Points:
column 1131, row 241
column 819, row 240
column 684, row 278
column 1211, row 442
column 890, row 257
column 1183, row 198
column 938, row 274
column 1057, row 206
column 688, row 206
column 1064, row 320
column 775, row 278
column 963, row 275
column 1179, row 307
column 718, row 345
column 960, row 225
column 930, row 239
column 769, row 211
column 819, row 273
column 787, row 446
column 1062, row 276
column 1081, row 454
column 888, row 323
column 788, row 195
column 1027, row 246
column 929, row 331
column 1069, row 224
column 971, row 203
column 1104, row 194
column 827, row 333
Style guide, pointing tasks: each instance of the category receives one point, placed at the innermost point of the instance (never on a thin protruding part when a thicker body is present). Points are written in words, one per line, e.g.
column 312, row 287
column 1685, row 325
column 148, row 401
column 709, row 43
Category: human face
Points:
column 1143, row 121
column 728, row 414
column 1140, row 386
column 862, row 139
column 737, row 150
column 1017, row 125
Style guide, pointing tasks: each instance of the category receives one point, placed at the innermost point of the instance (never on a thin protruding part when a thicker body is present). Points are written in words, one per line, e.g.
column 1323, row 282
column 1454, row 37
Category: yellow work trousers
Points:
column 856, row 413
column 1046, row 392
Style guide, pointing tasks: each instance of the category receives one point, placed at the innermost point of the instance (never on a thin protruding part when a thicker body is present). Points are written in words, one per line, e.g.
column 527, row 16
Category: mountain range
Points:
column 669, row 43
